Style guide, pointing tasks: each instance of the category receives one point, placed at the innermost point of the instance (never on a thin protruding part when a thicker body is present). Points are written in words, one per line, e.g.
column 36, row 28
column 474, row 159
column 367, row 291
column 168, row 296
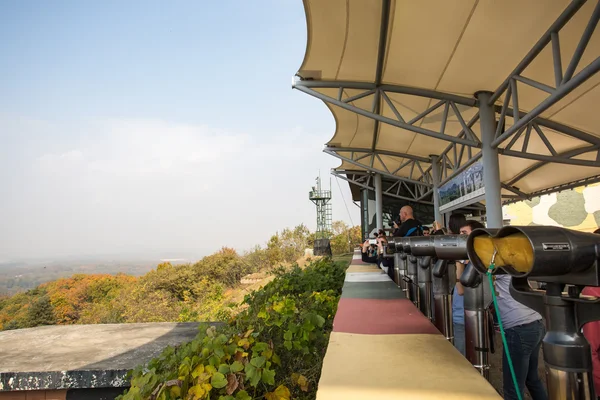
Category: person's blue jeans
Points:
column 524, row 343
column 459, row 338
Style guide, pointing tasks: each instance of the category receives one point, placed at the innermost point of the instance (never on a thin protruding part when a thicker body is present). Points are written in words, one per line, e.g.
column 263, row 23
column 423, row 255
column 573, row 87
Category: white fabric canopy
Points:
column 459, row 48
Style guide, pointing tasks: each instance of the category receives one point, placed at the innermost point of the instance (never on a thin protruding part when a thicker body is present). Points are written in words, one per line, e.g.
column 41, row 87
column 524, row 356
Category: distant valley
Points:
column 19, row 276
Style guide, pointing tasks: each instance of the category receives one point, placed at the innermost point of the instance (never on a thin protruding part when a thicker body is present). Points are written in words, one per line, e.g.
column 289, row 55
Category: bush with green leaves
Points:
column 272, row 350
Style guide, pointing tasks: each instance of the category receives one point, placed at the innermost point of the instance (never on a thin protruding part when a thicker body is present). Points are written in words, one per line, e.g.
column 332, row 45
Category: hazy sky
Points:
column 156, row 128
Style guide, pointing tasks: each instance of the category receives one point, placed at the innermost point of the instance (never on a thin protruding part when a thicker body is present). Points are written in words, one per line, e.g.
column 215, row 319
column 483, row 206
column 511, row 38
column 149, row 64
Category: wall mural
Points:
column 577, row 209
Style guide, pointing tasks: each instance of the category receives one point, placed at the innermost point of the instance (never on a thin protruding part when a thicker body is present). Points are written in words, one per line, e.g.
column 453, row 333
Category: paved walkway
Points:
column 382, row 347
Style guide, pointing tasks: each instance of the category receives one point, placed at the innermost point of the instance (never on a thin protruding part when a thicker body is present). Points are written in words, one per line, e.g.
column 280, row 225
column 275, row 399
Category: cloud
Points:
column 69, row 156
column 153, row 186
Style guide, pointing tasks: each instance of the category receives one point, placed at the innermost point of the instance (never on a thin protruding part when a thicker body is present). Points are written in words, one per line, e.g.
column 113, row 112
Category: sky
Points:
column 155, row 128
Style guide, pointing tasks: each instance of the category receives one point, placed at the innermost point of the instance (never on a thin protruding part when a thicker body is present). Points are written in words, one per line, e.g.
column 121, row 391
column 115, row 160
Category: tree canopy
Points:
column 185, row 292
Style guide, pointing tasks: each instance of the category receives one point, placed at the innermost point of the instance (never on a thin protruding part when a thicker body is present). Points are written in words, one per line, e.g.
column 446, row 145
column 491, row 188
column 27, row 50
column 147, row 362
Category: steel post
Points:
column 442, row 298
column 413, row 280
column 378, row 202
column 402, row 272
column 364, row 207
column 397, row 262
column 477, row 339
column 491, row 167
column 425, row 286
column 435, row 171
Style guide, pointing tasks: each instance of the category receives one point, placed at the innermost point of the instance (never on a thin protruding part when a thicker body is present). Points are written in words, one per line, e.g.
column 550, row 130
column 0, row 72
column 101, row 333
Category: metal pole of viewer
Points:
column 378, row 202
column 435, row 169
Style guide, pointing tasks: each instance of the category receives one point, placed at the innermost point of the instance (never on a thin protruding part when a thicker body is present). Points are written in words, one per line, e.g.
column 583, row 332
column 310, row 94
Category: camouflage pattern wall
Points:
column 577, row 209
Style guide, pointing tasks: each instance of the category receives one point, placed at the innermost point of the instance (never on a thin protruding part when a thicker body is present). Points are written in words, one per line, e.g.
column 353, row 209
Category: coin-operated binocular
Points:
column 396, row 247
column 477, row 297
column 436, row 281
column 557, row 257
column 442, row 247
column 442, row 297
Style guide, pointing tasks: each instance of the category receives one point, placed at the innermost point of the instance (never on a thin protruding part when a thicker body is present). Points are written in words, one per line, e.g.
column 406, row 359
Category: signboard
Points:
column 464, row 189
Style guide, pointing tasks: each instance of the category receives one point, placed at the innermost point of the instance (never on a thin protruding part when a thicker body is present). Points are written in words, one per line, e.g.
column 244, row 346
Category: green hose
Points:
column 510, row 364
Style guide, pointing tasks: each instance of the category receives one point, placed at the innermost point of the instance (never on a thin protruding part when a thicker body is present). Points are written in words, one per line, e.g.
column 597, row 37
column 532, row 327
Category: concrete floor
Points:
column 82, row 356
column 103, row 346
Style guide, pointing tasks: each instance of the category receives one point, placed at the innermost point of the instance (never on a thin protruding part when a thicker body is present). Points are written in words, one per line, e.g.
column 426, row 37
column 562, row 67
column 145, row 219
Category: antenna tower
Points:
column 322, row 199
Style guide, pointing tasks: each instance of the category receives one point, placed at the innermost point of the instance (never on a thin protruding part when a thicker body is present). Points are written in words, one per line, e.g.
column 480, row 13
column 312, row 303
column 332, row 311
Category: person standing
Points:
column 591, row 331
column 524, row 333
column 409, row 225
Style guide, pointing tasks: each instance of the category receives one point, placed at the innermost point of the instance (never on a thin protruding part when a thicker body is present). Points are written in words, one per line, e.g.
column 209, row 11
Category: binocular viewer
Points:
column 446, row 247
column 542, row 253
column 397, row 245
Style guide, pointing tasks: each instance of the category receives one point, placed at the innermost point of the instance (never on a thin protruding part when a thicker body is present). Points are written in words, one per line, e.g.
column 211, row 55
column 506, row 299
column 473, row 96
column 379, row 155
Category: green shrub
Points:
column 272, row 350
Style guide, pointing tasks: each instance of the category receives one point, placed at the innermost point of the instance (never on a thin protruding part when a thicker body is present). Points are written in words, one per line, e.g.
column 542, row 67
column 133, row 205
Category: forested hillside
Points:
column 205, row 290
column 272, row 350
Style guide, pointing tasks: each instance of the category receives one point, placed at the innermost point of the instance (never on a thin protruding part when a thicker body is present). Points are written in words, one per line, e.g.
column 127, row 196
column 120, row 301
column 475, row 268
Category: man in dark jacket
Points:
column 410, row 226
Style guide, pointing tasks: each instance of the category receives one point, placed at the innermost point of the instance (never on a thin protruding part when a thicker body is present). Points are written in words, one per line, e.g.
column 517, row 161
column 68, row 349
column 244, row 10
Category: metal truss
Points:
column 564, row 82
column 366, row 158
column 559, row 188
column 421, row 187
column 400, row 189
column 380, row 92
column 453, row 161
column 365, row 180
column 465, row 140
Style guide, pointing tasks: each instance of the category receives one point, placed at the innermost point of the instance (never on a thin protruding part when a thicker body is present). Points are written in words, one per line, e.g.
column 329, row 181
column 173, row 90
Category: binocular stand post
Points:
column 478, row 297
column 566, row 351
column 442, row 299
column 412, row 281
column 400, row 272
column 425, row 286
column 477, row 342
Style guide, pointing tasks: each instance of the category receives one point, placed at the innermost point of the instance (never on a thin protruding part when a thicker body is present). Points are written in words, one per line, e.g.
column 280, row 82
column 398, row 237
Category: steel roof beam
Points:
column 555, row 126
column 412, row 161
column 581, row 182
column 408, row 90
column 385, row 120
column 535, row 167
column 375, row 170
column 382, row 152
column 560, row 22
column 340, row 174
column 564, row 84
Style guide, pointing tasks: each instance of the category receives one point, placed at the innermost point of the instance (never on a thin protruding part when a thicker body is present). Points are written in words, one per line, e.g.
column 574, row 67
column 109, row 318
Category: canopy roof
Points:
column 400, row 78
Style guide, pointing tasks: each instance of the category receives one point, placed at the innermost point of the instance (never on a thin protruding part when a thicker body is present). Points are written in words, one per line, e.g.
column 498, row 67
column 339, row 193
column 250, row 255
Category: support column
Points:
column 491, row 167
column 435, row 170
column 364, row 208
column 378, row 202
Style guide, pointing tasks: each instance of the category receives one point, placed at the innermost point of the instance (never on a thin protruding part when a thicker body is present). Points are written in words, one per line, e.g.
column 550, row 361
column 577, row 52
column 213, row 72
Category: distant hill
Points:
column 116, row 292
column 17, row 277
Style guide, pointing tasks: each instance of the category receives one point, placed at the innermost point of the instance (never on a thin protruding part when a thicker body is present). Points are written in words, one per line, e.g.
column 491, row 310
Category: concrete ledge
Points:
column 83, row 356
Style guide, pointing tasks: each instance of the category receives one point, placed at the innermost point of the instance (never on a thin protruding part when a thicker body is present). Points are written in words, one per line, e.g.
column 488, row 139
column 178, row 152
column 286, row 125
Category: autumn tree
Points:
column 40, row 313
column 344, row 238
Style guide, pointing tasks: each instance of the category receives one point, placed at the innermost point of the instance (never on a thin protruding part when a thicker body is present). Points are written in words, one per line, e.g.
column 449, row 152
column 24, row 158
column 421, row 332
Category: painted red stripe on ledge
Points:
column 380, row 317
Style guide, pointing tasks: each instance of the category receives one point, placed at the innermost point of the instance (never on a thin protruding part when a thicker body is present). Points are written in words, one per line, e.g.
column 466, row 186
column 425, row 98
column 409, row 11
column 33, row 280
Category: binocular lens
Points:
column 513, row 251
